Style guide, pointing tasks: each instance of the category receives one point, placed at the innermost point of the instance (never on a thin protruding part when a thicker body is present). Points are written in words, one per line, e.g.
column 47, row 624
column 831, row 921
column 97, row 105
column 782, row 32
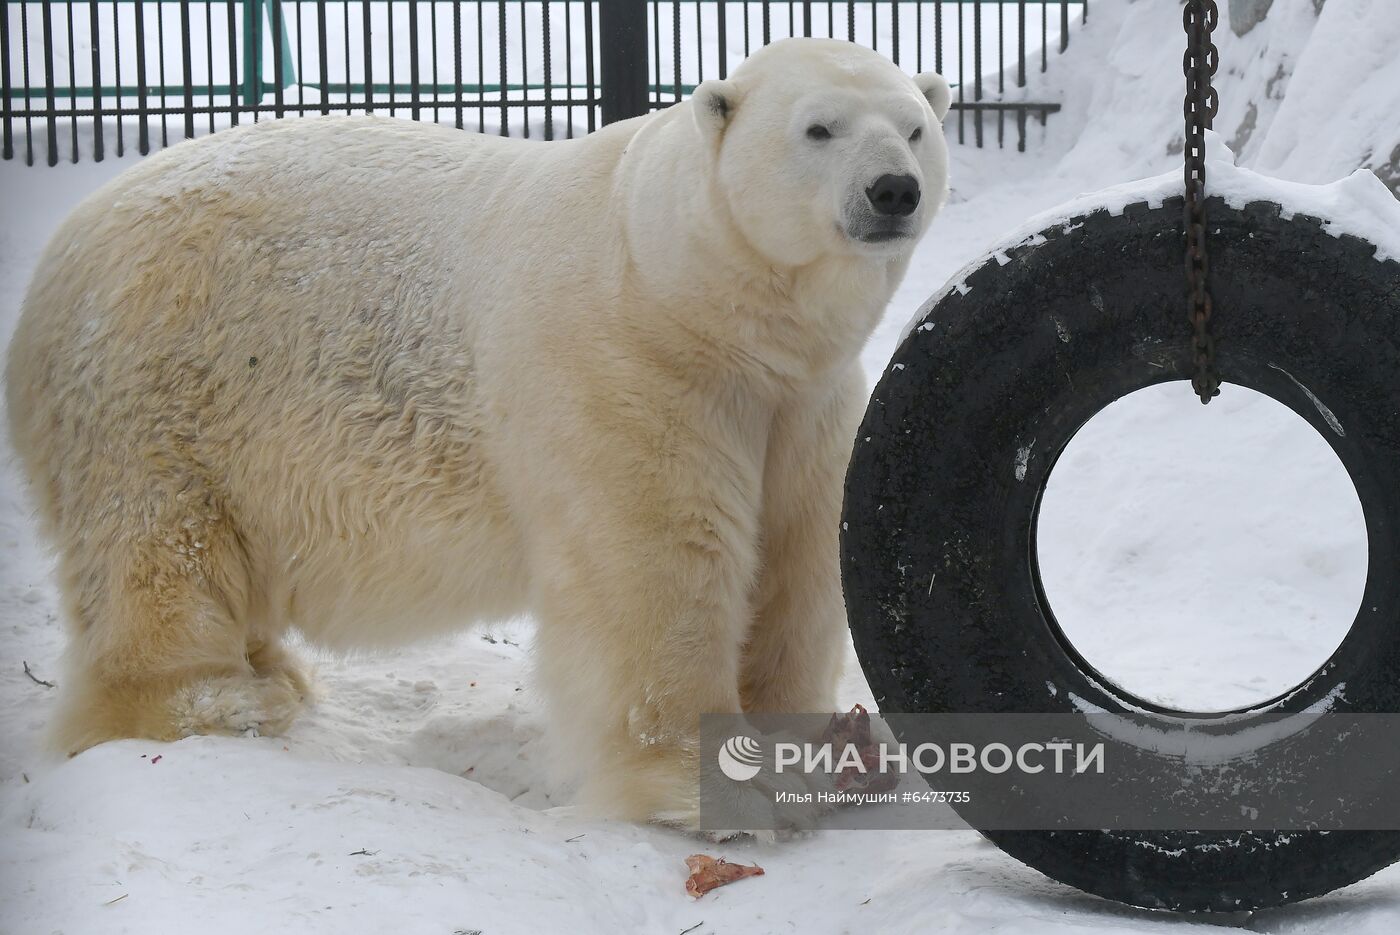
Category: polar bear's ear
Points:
column 935, row 88
column 714, row 102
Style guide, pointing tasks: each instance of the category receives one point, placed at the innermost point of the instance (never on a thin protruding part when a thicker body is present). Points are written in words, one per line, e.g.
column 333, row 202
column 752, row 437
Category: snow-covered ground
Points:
column 415, row 796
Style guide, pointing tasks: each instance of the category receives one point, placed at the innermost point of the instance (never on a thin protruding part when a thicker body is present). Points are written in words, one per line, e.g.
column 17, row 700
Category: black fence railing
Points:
column 989, row 50
column 105, row 75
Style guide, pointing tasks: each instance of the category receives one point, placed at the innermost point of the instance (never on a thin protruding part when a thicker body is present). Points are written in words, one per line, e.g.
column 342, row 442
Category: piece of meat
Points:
column 707, row 873
column 854, row 729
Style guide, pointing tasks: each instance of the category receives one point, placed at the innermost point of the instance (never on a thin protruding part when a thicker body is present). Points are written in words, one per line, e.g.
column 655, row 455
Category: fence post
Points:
column 252, row 52
column 622, row 38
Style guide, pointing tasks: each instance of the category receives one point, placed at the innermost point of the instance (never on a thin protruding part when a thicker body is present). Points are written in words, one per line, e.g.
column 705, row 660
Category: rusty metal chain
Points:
column 1199, row 65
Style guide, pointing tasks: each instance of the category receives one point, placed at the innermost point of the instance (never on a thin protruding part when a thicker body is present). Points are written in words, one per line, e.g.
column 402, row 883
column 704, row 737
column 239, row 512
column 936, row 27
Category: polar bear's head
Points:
column 822, row 146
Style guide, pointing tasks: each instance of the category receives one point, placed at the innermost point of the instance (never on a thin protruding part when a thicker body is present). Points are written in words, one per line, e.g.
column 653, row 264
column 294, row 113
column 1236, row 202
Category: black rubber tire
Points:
column 1038, row 340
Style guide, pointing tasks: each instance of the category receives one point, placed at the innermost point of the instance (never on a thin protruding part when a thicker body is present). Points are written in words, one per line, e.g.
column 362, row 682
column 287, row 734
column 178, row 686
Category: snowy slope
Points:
column 416, row 797
column 1310, row 94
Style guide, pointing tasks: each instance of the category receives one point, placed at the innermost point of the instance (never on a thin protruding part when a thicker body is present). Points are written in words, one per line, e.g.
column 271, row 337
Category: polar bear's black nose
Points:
column 896, row 195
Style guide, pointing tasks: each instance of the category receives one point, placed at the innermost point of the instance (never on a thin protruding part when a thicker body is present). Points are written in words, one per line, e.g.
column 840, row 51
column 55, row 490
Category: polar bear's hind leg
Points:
column 161, row 646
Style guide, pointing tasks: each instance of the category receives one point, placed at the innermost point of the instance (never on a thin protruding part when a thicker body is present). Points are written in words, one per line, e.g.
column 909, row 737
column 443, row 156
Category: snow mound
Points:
column 1309, row 94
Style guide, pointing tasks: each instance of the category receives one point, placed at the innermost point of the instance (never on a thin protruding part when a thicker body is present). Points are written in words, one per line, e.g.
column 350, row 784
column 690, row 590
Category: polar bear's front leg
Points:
column 797, row 645
column 642, row 582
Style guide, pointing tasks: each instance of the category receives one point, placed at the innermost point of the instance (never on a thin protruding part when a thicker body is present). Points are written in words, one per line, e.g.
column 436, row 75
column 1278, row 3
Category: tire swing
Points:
column 998, row 373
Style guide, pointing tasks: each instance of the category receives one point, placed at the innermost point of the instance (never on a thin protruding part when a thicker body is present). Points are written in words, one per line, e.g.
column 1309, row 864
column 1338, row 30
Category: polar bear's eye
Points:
column 916, row 135
column 818, row 132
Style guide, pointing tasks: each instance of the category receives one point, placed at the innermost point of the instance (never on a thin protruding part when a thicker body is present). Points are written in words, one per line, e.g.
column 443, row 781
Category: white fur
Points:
column 375, row 379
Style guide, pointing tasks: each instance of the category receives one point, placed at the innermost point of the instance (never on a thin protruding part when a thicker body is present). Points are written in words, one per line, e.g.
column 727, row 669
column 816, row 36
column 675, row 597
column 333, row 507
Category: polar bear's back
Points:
column 371, row 199
column 297, row 239
column 300, row 307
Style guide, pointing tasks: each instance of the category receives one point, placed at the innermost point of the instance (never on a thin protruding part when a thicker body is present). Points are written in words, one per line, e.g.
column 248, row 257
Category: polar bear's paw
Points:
column 238, row 704
column 768, row 807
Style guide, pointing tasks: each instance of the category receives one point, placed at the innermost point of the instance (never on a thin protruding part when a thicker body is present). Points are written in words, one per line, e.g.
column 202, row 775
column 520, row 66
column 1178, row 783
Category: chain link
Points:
column 1199, row 65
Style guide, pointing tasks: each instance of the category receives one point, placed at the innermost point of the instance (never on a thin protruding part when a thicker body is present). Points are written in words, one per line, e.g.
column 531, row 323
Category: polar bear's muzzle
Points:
column 894, row 195
column 885, row 211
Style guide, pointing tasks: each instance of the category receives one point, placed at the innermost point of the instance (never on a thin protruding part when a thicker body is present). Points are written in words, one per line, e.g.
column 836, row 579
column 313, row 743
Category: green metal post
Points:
column 255, row 13
column 252, row 51
column 284, row 44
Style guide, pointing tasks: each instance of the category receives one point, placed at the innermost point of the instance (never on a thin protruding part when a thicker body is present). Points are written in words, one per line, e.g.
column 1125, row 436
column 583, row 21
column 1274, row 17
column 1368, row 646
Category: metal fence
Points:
column 100, row 75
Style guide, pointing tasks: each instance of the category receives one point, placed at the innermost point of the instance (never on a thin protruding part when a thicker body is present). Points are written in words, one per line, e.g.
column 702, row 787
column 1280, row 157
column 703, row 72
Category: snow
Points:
column 1247, row 545
column 416, row 795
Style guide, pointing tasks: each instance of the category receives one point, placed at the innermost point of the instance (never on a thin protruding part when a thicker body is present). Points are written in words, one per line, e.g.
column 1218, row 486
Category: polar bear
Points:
column 373, row 379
